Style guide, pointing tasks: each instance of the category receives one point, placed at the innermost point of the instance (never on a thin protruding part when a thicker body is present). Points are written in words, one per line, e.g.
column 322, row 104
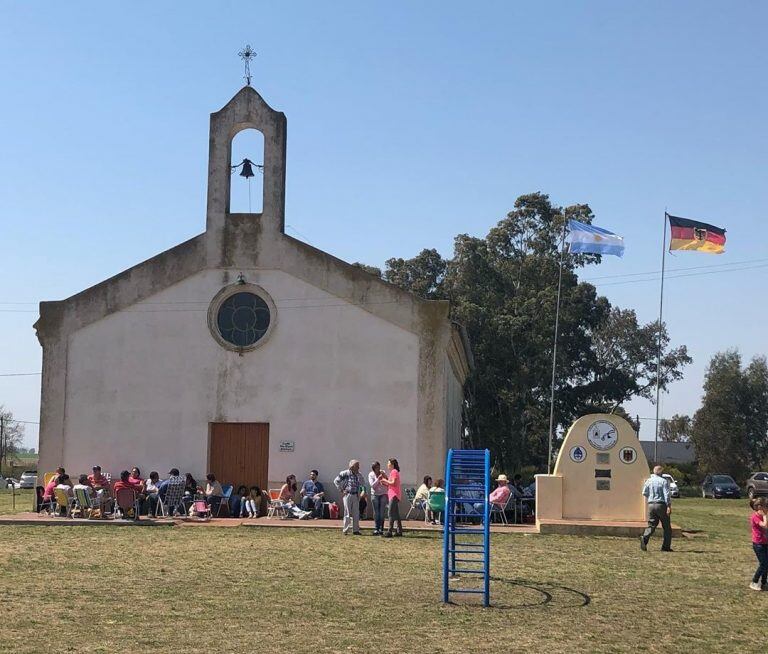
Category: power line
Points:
column 19, row 374
column 699, row 274
column 735, row 266
column 658, row 272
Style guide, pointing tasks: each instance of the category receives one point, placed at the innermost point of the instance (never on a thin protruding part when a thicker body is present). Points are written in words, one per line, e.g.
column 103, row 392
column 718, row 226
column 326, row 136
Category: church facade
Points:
column 248, row 353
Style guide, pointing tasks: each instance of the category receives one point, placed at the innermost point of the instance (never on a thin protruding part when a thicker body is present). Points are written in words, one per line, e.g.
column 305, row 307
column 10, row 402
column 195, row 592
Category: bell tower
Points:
column 246, row 110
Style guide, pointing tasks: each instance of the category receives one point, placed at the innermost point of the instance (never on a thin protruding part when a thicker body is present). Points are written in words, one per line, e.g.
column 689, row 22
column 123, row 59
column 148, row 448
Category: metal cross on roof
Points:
column 246, row 54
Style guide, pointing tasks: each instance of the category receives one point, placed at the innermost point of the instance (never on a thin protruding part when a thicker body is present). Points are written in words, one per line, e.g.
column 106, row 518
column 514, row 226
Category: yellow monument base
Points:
column 596, row 486
column 597, row 528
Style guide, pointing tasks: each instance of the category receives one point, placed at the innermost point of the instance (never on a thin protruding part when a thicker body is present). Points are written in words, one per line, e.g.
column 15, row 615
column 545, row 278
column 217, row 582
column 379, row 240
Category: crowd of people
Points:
column 382, row 490
column 102, row 492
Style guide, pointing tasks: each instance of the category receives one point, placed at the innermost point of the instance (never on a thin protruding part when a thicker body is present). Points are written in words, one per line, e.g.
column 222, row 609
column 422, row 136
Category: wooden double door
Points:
column 238, row 453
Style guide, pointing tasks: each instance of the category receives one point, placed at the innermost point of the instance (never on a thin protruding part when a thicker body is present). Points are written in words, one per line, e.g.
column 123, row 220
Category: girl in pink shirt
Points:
column 759, row 523
column 394, row 493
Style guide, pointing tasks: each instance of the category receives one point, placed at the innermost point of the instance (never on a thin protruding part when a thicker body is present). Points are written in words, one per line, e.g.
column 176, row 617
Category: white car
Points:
column 673, row 489
column 28, row 479
column 9, row 483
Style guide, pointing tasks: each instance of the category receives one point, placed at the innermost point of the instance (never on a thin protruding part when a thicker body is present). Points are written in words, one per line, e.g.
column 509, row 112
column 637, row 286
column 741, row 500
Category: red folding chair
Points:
column 128, row 503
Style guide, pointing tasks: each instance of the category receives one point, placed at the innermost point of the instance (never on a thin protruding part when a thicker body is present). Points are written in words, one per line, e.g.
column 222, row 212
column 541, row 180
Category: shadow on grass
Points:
column 547, row 592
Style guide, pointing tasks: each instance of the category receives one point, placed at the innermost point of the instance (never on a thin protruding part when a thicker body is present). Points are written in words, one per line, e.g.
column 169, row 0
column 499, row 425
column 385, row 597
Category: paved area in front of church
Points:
column 31, row 518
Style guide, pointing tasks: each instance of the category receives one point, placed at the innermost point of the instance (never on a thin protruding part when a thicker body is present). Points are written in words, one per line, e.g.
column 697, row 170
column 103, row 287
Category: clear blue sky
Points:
column 408, row 123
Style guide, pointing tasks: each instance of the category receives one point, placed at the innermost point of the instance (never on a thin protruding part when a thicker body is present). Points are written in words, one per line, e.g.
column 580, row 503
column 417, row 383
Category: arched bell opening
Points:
column 246, row 184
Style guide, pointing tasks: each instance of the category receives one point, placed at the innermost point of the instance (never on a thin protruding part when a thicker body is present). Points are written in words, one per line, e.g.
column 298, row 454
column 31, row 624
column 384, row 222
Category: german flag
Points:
column 693, row 235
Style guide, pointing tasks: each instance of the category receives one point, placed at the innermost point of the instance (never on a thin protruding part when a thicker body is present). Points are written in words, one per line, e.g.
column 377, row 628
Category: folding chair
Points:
column 276, row 505
column 174, row 493
column 227, row 490
column 501, row 509
column 410, row 495
column 437, row 503
column 49, row 505
column 202, row 510
column 63, row 501
column 88, row 505
column 127, row 501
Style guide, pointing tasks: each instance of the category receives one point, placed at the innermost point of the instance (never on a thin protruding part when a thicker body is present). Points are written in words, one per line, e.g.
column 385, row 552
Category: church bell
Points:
column 247, row 170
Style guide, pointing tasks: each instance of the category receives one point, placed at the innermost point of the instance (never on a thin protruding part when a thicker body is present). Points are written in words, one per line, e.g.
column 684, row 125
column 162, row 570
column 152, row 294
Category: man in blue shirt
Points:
column 659, row 502
column 313, row 495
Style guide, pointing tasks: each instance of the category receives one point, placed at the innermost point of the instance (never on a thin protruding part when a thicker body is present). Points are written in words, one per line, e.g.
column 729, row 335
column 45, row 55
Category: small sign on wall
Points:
column 287, row 446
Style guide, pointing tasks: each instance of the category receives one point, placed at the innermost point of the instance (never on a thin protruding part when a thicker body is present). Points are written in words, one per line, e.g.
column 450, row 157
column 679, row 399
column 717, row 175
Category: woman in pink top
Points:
column 759, row 523
column 287, row 493
column 48, row 491
column 394, row 493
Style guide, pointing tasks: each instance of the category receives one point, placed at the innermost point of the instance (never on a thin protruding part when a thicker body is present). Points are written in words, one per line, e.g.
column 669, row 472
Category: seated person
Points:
column 174, row 479
column 99, row 482
column 517, row 486
column 470, row 509
column 190, row 484
column 152, row 492
column 500, row 496
column 65, row 484
column 124, row 483
column 286, row 497
column 213, row 492
column 48, row 497
column 422, row 496
column 252, row 502
column 63, row 473
column 439, row 487
column 136, row 480
column 313, row 495
column 82, row 484
column 237, row 502
column 191, row 489
column 95, row 499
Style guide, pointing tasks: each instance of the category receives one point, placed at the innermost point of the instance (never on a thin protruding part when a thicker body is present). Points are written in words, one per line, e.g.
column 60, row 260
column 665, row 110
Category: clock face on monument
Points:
column 602, row 435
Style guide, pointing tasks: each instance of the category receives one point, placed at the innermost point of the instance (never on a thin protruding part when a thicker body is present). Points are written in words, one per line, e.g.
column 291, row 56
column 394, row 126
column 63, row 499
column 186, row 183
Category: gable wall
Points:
column 143, row 383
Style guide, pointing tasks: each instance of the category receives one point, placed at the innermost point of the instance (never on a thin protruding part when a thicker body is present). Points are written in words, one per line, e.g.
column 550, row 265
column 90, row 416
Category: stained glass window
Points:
column 242, row 319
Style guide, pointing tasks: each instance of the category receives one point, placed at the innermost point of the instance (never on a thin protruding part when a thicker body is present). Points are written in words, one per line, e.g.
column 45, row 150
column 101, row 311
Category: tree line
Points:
column 503, row 289
column 730, row 429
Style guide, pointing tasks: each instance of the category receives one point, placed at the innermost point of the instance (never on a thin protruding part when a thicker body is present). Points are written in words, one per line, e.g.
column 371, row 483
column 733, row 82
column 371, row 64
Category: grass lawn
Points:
column 216, row 590
column 23, row 501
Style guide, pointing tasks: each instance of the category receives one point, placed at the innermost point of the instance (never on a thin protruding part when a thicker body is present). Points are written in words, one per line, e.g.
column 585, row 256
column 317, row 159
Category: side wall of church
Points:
column 453, row 405
column 143, row 384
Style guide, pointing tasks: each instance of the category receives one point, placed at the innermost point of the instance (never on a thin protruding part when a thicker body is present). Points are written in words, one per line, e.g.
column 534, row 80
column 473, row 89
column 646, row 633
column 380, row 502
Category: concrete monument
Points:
column 598, row 475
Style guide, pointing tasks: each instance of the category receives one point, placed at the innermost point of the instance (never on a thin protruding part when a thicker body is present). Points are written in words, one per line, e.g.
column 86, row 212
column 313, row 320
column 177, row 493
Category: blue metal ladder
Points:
column 466, row 547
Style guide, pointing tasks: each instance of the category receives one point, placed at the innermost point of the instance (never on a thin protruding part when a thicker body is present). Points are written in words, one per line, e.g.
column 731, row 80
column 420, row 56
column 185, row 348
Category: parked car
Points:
column 8, row 482
column 719, row 486
column 28, row 479
column 757, row 484
column 674, row 491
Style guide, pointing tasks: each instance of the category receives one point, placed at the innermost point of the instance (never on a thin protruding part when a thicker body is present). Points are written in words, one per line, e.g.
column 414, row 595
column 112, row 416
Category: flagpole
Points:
column 658, row 354
column 554, row 347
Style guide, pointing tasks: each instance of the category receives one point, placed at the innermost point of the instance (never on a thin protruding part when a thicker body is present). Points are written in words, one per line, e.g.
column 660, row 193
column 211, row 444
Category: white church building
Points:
column 248, row 353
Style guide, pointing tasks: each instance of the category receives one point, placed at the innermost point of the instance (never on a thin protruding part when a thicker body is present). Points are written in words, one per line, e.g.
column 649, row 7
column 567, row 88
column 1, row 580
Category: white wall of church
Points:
column 454, row 402
column 144, row 383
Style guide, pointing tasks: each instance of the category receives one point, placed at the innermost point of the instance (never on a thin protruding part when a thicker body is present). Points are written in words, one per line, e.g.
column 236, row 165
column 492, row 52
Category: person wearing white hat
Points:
column 349, row 482
column 500, row 495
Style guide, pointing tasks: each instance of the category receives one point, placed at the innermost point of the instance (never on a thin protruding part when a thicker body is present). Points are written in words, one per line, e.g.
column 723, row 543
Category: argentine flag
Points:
column 589, row 239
